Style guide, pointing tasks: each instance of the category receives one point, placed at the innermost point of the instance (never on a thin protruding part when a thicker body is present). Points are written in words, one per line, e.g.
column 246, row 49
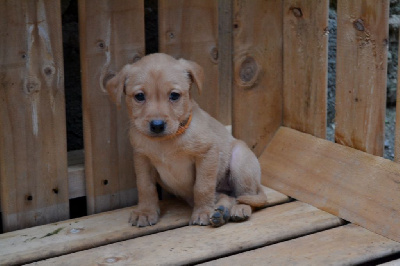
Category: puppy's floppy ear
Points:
column 195, row 71
column 116, row 85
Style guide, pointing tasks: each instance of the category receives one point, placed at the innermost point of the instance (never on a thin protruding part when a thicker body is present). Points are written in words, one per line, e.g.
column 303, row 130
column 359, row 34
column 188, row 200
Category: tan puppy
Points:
column 181, row 147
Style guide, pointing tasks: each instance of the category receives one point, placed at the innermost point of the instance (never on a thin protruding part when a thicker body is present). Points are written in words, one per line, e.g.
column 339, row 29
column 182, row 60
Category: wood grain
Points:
column 345, row 245
column 397, row 124
column 92, row 231
column 107, row 44
column 33, row 153
column 193, row 244
column 258, row 66
column 362, row 43
column 354, row 185
column 305, row 65
column 189, row 29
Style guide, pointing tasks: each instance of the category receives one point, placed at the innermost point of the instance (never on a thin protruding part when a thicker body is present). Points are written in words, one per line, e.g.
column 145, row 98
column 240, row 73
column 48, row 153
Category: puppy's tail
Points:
column 258, row 200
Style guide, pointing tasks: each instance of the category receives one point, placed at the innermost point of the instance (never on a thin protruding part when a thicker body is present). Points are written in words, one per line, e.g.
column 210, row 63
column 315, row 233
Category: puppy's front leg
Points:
column 148, row 211
column 204, row 187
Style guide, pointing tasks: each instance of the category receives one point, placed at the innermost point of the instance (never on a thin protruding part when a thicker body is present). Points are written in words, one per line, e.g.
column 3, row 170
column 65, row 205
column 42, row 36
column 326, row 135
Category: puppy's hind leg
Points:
column 222, row 212
column 246, row 177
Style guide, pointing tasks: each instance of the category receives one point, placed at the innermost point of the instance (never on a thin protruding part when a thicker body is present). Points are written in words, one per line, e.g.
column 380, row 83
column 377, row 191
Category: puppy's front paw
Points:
column 142, row 218
column 240, row 212
column 201, row 216
column 220, row 216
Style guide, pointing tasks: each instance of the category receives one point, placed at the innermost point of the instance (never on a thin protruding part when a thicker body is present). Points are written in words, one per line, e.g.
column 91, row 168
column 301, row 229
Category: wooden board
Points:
column 92, row 231
column 258, row 66
column 193, row 244
column 305, row 65
column 397, row 124
column 107, row 44
column 33, row 152
column 345, row 245
column 362, row 43
column 356, row 186
column 225, row 60
column 189, row 29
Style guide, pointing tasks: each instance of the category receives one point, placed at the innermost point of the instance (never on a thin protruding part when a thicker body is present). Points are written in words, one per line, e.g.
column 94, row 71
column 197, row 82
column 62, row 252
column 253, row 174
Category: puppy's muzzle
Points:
column 157, row 126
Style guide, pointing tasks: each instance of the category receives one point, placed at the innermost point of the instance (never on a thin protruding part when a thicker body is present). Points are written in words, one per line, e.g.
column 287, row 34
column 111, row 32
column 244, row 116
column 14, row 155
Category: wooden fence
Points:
column 265, row 65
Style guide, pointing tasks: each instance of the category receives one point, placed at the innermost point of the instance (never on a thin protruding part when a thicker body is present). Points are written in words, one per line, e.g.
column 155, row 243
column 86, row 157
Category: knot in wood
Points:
column 214, row 54
column 297, row 12
column 32, row 85
column 359, row 25
column 248, row 71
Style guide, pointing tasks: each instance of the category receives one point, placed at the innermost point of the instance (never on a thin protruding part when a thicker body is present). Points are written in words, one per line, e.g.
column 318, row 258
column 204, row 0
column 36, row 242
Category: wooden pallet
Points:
column 288, row 231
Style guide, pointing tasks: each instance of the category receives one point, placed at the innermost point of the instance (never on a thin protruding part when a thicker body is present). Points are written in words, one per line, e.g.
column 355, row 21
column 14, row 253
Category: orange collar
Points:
column 182, row 129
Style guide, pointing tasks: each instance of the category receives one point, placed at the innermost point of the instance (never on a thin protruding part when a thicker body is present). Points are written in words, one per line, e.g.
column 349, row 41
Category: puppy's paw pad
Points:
column 240, row 212
column 220, row 216
column 143, row 218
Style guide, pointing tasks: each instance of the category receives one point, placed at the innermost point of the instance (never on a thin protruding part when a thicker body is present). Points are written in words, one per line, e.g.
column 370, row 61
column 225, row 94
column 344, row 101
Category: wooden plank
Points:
column 345, row 245
column 348, row 183
column 92, row 231
column 225, row 60
column 362, row 43
column 107, row 44
column 76, row 181
column 189, row 29
column 33, row 153
column 305, row 65
column 397, row 124
column 258, row 67
column 193, row 244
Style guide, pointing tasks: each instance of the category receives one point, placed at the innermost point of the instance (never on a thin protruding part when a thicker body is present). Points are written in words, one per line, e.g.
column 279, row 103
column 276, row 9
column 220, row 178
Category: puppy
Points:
column 181, row 147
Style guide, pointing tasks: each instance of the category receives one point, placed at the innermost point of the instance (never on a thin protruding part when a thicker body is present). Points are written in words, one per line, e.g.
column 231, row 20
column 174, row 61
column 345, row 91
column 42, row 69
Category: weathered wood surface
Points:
column 107, row 44
column 194, row 244
column 397, row 134
column 258, row 66
column 362, row 43
column 92, row 231
column 225, row 60
column 189, row 29
column 305, row 65
column 33, row 152
column 83, row 233
column 345, row 245
column 354, row 185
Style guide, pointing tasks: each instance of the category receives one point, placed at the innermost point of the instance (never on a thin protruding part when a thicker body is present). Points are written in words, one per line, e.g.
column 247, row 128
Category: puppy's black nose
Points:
column 157, row 126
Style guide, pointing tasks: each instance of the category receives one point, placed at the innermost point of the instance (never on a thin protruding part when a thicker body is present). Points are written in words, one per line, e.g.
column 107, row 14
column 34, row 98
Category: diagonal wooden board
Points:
column 92, row 231
column 348, row 183
column 193, row 244
column 344, row 245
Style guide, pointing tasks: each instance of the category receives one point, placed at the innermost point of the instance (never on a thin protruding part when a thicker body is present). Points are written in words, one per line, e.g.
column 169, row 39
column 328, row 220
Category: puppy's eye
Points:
column 140, row 97
column 174, row 96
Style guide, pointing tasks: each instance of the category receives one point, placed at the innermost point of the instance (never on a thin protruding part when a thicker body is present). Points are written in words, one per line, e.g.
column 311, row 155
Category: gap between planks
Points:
column 92, row 231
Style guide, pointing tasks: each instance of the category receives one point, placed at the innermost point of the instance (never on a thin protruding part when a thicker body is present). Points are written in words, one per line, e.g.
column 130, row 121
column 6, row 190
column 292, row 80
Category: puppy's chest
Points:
column 176, row 170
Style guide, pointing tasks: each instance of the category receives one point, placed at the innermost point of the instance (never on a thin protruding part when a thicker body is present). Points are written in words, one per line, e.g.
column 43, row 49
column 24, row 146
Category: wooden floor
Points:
column 286, row 233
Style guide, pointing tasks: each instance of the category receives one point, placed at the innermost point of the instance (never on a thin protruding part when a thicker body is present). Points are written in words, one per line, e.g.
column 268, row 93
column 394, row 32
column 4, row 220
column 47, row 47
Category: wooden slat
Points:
column 257, row 89
column 397, row 124
column 33, row 153
column 345, row 245
column 362, row 42
column 194, row 244
column 305, row 65
column 111, row 35
column 351, row 184
column 225, row 60
column 89, row 232
column 189, row 29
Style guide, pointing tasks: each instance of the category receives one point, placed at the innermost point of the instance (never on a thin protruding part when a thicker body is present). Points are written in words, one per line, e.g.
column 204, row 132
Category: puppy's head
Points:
column 157, row 93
